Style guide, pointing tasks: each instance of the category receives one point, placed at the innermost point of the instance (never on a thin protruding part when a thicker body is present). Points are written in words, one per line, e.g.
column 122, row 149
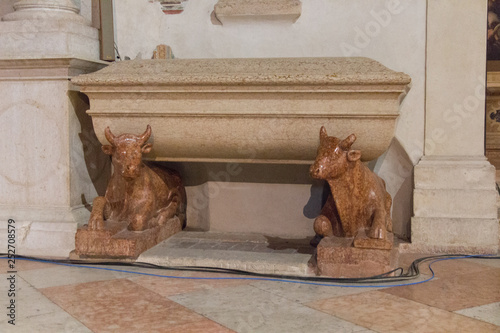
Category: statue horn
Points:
column 109, row 136
column 347, row 142
column 145, row 136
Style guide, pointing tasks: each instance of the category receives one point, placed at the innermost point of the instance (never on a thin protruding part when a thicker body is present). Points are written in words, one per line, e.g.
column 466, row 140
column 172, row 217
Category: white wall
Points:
column 392, row 32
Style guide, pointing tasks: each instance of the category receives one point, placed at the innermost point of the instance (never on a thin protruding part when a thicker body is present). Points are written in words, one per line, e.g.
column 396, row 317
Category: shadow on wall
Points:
column 199, row 173
column 394, row 166
column 96, row 165
column 396, row 169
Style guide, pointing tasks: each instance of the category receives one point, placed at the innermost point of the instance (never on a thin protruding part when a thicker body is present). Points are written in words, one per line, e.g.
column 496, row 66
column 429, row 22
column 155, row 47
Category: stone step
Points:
column 249, row 252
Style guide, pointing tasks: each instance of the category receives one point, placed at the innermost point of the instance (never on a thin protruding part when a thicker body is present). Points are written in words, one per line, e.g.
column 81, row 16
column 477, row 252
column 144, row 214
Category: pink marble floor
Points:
column 464, row 297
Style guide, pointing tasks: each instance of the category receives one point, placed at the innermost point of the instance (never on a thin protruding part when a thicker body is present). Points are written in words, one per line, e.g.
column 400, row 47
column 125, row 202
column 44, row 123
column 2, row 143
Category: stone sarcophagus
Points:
column 247, row 110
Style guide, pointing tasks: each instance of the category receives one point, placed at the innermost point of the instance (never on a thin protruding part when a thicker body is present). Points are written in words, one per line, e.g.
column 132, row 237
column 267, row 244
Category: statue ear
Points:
column 322, row 133
column 353, row 155
column 107, row 149
column 147, row 148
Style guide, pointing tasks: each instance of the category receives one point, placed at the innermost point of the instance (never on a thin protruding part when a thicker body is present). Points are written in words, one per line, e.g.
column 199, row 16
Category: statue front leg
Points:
column 378, row 228
column 99, row 206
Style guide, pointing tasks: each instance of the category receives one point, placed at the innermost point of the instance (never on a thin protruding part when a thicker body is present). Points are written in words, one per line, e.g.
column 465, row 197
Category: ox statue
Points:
column 138, row 195
column 358, row 201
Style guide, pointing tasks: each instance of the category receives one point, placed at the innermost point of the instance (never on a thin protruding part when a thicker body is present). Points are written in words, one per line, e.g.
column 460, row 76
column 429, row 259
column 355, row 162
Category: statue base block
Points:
column 337, row 257
column 116, row 241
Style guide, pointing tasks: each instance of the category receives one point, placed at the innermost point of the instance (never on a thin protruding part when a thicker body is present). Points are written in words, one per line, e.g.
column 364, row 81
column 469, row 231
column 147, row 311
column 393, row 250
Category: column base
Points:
column 48, row 39
column 43, row 232
column 455, row 206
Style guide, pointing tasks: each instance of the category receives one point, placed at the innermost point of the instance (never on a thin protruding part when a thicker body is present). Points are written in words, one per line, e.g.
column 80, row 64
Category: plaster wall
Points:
column 392, row 32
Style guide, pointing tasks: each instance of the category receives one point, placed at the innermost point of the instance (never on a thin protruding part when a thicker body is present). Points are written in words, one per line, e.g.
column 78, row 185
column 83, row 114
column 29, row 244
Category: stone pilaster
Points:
column 53, row 166
column 455, row 196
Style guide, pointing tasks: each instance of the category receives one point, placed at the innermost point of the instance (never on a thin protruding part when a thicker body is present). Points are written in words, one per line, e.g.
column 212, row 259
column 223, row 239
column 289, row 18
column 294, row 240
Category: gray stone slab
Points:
column 226, row 250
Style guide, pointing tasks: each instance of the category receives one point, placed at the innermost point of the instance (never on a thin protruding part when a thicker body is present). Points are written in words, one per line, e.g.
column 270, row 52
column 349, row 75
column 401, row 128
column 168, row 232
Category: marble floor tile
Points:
column 58, row 275
column 383, row 312
column 249, row 309
column 304, row 293
column 55, row 322
column 29, row 302
column 121, row 306
column 171, row 286
column 455, row 293
column 489, row 313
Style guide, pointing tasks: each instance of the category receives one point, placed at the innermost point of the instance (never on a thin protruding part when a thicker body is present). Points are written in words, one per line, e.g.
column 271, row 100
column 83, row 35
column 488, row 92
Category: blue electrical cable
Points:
column 260, row 278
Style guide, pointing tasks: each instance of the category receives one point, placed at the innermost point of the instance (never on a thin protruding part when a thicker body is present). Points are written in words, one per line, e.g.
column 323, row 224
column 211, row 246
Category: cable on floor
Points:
column 378, row 280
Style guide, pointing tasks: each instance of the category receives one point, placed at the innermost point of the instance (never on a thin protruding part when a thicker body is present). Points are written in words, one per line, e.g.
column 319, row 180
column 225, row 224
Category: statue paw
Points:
column 96, row 223
column 323, row 226
column 377, row 233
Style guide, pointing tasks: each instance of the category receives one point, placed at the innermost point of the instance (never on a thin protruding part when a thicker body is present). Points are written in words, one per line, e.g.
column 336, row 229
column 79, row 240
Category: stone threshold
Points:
column 249, row 252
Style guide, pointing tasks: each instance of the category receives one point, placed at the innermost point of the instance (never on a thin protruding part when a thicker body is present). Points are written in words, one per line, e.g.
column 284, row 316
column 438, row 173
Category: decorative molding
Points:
column 254, row 10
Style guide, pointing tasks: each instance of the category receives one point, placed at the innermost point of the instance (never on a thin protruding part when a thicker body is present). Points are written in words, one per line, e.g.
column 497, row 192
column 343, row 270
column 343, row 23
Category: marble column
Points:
column 455, row 196
column 53, row 165
column 47, row 28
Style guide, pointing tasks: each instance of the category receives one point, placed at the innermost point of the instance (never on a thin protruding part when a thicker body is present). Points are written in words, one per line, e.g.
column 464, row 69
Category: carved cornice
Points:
column 246, row 72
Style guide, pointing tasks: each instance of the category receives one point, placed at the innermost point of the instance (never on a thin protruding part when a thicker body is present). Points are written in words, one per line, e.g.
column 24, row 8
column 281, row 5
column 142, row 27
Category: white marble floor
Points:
column 464, row 297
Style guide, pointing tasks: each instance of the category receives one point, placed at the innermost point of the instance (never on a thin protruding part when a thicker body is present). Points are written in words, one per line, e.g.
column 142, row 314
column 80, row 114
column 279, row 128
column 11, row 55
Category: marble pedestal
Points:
column 337, row 257
column 455, row 206
column 118, row 242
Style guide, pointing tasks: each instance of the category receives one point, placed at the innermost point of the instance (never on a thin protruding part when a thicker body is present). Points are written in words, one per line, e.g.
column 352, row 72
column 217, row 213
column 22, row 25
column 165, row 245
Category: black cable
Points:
column 412, row 273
